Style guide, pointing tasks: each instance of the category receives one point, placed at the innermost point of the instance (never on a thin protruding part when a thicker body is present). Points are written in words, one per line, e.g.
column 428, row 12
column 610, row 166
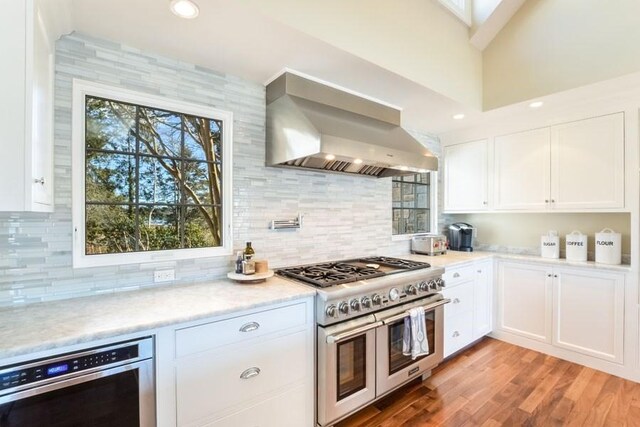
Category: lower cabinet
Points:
column 468, row 316
column 577, row 309
column 254, row 369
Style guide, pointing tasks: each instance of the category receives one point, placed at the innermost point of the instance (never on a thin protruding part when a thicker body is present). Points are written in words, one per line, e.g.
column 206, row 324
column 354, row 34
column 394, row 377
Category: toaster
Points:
column 429, row 244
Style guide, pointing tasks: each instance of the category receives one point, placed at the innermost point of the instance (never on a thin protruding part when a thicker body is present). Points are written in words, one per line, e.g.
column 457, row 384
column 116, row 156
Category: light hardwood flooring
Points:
column 498, row 384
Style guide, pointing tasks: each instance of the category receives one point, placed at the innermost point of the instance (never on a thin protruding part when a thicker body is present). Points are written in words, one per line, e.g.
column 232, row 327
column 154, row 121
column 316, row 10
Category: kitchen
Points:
column 203, row 350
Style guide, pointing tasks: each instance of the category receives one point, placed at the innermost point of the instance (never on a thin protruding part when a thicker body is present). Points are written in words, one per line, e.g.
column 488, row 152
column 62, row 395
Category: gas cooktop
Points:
column 336, row 273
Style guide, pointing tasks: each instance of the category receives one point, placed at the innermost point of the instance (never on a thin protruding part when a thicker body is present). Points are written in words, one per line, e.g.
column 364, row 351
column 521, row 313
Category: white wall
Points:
column 554, row 45
column 418, row 39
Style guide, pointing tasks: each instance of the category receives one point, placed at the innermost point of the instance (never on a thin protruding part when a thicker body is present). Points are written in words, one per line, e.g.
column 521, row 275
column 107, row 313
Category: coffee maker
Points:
column 461, row 237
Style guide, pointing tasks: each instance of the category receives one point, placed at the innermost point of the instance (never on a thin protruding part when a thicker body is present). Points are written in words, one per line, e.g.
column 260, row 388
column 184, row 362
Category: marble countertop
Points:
column 50, row 325
column 455, row 259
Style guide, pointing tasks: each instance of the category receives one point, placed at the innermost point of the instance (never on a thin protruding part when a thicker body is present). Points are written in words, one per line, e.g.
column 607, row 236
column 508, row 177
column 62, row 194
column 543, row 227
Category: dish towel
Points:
column 414, row 337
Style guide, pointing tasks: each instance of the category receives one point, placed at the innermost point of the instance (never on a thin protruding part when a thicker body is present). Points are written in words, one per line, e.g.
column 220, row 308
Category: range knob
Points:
column 331, row 311
column 366, row 302
column 440, row 282
column 433, row 285
column 394, row 294
column 424, row 286
column 412, row 290
column 355, row 304
column 376, row 299
column 344, row 307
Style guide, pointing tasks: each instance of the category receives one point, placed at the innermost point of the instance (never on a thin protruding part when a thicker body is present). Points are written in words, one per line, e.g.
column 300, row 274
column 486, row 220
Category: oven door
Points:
column 122, row 396
column 346, row 368
column 393, row 367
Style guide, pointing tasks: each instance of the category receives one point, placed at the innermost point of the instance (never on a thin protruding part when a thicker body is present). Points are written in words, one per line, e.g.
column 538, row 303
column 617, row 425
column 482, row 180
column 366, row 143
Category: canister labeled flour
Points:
column 550, row 245
column 576, row 246
column 608, row 247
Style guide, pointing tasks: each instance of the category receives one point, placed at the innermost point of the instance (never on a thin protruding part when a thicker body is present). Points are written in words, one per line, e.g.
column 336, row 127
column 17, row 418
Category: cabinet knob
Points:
column 555, row 275
column 484, row 203
column 479, row 271
column 39, row 180
column 456, row 274
column 250, row 373
column 456, row 334
column 249, row 327
column 553, row 201
column 546, row 201
column 455, row 301
column 548, row 275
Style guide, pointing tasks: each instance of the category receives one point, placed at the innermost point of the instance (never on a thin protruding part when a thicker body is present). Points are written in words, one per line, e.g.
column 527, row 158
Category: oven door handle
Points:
column 402, row 315
column 332, row 339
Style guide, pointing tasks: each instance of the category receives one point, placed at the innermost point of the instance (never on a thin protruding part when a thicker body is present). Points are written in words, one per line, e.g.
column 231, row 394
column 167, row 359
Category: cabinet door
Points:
column 524, row 300
column 483, row 299
column 522, row 170
column 465, row 177
column 588, row 315
column 40, row 176
column 587, row 163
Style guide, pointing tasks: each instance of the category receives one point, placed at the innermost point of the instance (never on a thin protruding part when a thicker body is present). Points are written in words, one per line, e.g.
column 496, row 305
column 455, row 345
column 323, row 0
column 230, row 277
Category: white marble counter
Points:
column 455, row 259
column 51, row 325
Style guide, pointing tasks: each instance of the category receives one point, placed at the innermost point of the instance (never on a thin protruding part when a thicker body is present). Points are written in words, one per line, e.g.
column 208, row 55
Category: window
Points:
column 412, row 200
column 460, row 8
column 151, row 178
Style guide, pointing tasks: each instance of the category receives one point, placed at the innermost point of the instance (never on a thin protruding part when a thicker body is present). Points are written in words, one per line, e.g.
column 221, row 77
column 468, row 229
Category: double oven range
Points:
column 361, row 305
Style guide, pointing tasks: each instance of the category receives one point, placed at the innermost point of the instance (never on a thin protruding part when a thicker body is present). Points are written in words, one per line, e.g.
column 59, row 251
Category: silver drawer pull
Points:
column 39, row 180
column 456, row 275
column 455, row 301
column 250, row 373
column 249, row 327
column 456, row 334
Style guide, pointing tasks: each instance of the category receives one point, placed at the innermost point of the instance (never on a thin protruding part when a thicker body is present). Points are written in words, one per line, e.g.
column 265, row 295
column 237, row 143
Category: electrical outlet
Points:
column 160, row 276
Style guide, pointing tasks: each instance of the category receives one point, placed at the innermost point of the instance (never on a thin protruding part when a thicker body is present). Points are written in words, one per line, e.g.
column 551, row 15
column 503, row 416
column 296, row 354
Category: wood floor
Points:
column 499, row 384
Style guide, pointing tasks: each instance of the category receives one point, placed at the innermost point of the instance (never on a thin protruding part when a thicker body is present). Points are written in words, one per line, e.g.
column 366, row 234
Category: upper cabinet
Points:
column 577, row 166
column 587, row 163
column 465, row 176
column 521, row 170
column 26, row 111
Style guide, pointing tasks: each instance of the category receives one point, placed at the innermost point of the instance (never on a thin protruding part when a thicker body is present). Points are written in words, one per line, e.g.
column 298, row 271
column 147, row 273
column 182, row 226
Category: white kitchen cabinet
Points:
column 524, row 300
column 466, row 177
column 253, row 369
column 571, row 308
column 468, row 316
column 571, row 166
column 587, row 163
column 26, row 111
column 521, row 168
column 482, row 299
column 588, row 312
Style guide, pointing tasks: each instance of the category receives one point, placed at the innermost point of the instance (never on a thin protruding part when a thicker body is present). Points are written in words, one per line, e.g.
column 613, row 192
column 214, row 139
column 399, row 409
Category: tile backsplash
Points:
column 344, row 216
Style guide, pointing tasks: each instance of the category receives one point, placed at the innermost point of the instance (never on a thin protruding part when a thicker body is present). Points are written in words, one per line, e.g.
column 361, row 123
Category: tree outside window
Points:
column 152, row 179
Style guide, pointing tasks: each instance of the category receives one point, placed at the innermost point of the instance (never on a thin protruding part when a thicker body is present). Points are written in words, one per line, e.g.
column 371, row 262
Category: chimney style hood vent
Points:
column 314, row 126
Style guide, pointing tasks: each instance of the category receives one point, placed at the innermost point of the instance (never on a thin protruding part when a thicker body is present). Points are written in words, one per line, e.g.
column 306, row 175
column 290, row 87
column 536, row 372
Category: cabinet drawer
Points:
column 288, row 409
column 214, row 381
column 217, row 334
column 461, row 297
column 458, row 332
column 455, row 276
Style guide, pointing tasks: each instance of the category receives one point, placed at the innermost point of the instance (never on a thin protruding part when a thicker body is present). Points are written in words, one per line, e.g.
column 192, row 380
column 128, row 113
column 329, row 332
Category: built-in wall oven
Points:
column 362, row 359
column 100, row 387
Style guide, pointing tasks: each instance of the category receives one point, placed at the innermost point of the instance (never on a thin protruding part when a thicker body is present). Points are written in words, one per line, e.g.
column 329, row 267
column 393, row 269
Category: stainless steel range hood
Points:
column 314, row 126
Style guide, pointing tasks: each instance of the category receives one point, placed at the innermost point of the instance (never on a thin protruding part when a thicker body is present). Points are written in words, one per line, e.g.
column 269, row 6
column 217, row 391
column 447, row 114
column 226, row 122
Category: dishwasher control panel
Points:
column 36, row 372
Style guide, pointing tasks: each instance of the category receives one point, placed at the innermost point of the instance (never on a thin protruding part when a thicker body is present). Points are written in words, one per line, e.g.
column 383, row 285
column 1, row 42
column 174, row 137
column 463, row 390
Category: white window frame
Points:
column 463, row 14
column 433, row 211
column 82, row 88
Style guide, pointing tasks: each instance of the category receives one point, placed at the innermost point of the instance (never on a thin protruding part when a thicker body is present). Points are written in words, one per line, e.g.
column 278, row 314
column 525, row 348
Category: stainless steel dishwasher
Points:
column 110, row 385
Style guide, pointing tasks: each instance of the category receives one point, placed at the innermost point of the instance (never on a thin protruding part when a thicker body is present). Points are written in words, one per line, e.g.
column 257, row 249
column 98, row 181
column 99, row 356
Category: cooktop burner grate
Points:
column 336, row 273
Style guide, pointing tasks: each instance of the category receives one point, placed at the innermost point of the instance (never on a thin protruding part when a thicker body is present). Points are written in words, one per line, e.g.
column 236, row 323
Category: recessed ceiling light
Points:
column 536, row 104
column 458, row 116
column 357, row 161
column 184, row 8
column 330, row 157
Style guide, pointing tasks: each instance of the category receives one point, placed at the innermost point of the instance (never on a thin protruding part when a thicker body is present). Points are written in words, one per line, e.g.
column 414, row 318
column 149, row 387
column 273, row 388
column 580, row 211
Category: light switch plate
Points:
column 160, row 276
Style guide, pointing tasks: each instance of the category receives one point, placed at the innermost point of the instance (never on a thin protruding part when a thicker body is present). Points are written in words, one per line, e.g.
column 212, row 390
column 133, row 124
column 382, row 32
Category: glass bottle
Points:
column 248, row 251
